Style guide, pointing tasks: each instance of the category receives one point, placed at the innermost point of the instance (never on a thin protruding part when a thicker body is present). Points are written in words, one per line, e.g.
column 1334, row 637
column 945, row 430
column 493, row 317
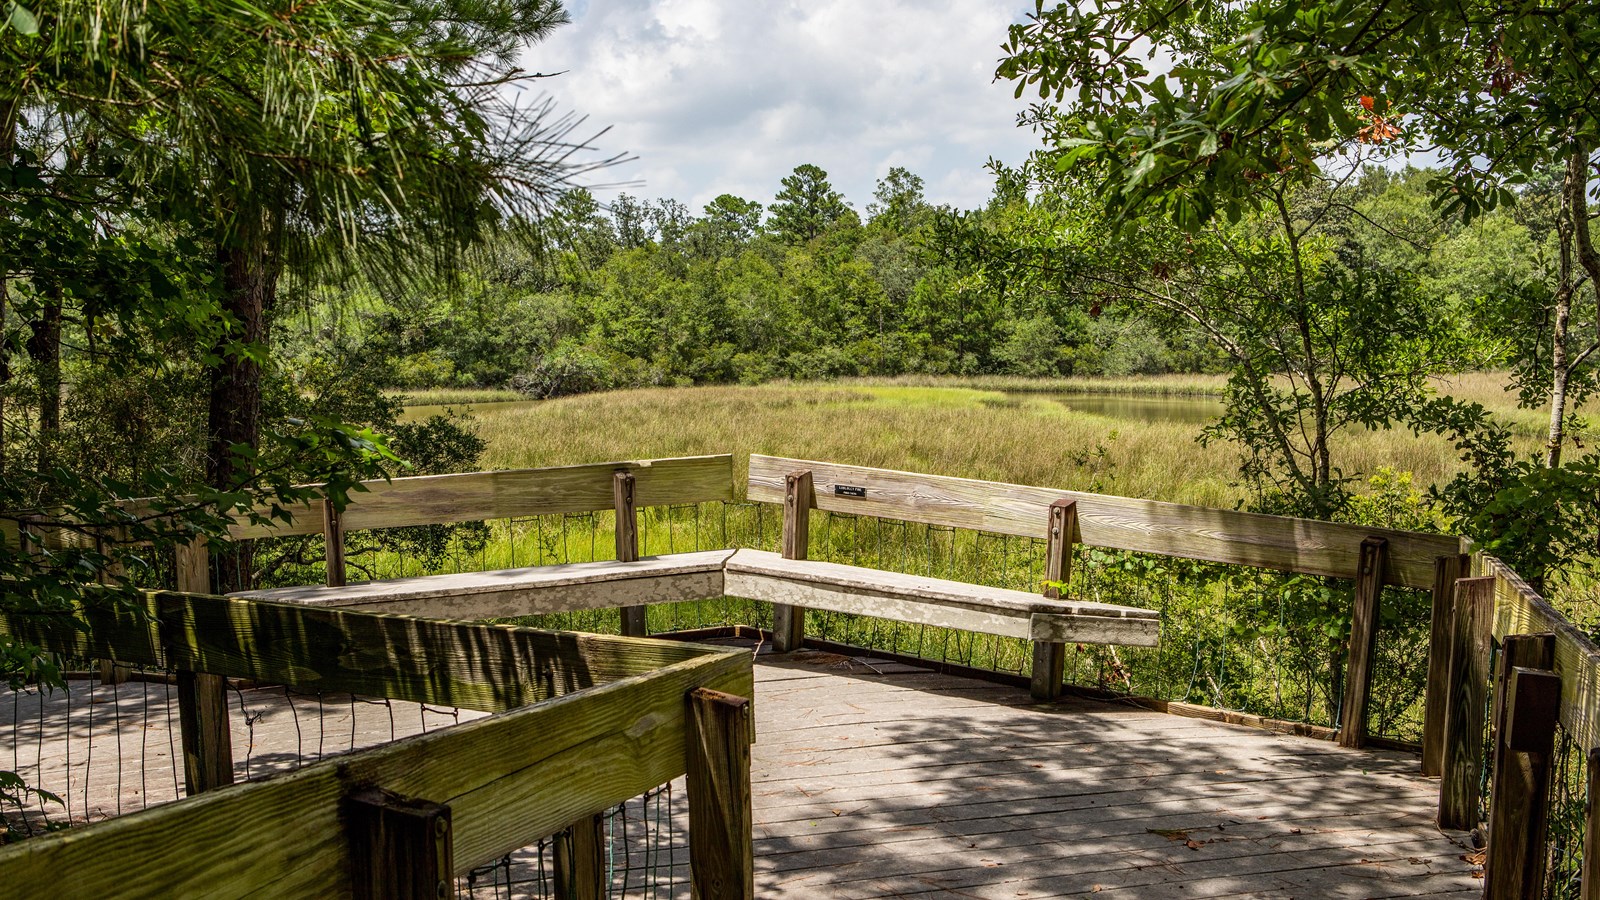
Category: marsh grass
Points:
column 964, row 431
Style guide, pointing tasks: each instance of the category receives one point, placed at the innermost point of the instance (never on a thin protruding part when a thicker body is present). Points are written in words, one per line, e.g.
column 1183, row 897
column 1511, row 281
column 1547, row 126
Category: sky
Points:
column 728, row 96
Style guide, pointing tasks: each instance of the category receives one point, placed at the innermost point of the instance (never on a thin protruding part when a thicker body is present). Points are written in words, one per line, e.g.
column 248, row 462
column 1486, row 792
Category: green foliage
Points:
column 1263, row 89
column 808, row 206
column 1261, row 100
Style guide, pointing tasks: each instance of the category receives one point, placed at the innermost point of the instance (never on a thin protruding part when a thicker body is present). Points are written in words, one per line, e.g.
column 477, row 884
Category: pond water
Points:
column 1125, row 407
column 1182, row 410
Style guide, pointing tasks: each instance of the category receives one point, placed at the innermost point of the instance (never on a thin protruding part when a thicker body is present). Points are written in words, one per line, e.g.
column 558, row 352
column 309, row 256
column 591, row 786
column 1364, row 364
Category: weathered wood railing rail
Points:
column 580, row 723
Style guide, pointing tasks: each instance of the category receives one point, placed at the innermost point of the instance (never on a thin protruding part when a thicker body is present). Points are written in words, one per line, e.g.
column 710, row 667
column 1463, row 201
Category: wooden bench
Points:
column 528, row 591
column 788, row 580
column 919, row 600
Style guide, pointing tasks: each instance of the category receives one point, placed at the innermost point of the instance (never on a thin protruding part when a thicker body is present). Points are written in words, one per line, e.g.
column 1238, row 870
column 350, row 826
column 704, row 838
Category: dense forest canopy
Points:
column 637, row 292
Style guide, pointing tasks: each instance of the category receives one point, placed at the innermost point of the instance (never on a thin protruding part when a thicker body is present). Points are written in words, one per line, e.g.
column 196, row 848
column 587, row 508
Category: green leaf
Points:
column 19, row 17
column 1147, row 163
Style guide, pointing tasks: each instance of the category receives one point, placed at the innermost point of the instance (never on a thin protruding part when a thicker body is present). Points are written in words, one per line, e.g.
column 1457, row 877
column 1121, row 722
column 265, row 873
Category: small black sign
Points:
column 849, row 490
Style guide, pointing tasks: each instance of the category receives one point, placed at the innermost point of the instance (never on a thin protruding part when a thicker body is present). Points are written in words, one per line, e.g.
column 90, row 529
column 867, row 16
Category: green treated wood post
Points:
column 400, row 849
column 202, row 697
column 789, row 622
column 580, row 860
column 1519, row 815
column 1472, row 620
column 333, row 537
column 1446, row 570
column 1363, row 642
column 1528, row 651
column 721, row 859
column 1050, row 657
column 110, row 672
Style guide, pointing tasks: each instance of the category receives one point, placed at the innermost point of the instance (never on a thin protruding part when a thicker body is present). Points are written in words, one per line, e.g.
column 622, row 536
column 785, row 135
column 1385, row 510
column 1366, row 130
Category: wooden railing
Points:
column 1476, row 599
column 1372, row 557
column 514, row 493
column 580, row 723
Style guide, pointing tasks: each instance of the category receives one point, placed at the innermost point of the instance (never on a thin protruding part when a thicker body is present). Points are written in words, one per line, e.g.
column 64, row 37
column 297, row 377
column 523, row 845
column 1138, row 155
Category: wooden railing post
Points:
column 1446, row 569
column 333, row 536
column 110, row 672
column 721, row 861
column 1519, row 797
column 1050, row 657
column 1591, row 829
column 202, row 697
column 634, row 618
column 400, row 849
column 1472, row 618
column 580, row 860
column 1363, row 642
column 789, row 622
column 1527, row 651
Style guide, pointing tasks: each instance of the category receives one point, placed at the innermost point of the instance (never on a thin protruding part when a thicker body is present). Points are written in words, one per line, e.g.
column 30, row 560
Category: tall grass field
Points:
column 1016, row 431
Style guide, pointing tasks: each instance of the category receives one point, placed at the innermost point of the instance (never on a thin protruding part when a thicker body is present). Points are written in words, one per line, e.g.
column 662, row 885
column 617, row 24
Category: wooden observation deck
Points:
column 870, row 775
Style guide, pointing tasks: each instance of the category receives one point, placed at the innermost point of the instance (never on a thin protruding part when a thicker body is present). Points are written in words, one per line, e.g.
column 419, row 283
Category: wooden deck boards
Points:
column 880, row 780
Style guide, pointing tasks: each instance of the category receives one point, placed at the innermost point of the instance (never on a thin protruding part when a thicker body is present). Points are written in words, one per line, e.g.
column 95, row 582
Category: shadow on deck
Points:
column 875, row 779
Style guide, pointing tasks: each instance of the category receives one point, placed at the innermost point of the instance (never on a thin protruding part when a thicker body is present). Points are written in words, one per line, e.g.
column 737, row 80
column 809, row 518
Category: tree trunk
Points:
column 44, row 350
column 1571, row 222
column 248, row 264
column 1578, row 172
column 8, row 143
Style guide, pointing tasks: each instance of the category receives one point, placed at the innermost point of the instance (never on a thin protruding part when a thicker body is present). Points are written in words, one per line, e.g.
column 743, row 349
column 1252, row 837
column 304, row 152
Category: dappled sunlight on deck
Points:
column 878, row 779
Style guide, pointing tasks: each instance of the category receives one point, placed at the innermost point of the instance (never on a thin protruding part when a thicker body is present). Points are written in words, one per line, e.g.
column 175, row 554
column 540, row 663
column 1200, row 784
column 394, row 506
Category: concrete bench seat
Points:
column 920, row 600
column 521, row 592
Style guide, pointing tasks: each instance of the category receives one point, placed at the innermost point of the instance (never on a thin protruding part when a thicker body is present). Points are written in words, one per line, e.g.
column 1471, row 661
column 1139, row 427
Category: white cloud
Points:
column 719, row 96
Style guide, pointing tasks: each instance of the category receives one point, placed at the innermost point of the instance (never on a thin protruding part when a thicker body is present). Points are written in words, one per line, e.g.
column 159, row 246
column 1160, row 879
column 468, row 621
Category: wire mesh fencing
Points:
column 92, row 751
column 1569, row 804
column 107, row 742
column 645, row 856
